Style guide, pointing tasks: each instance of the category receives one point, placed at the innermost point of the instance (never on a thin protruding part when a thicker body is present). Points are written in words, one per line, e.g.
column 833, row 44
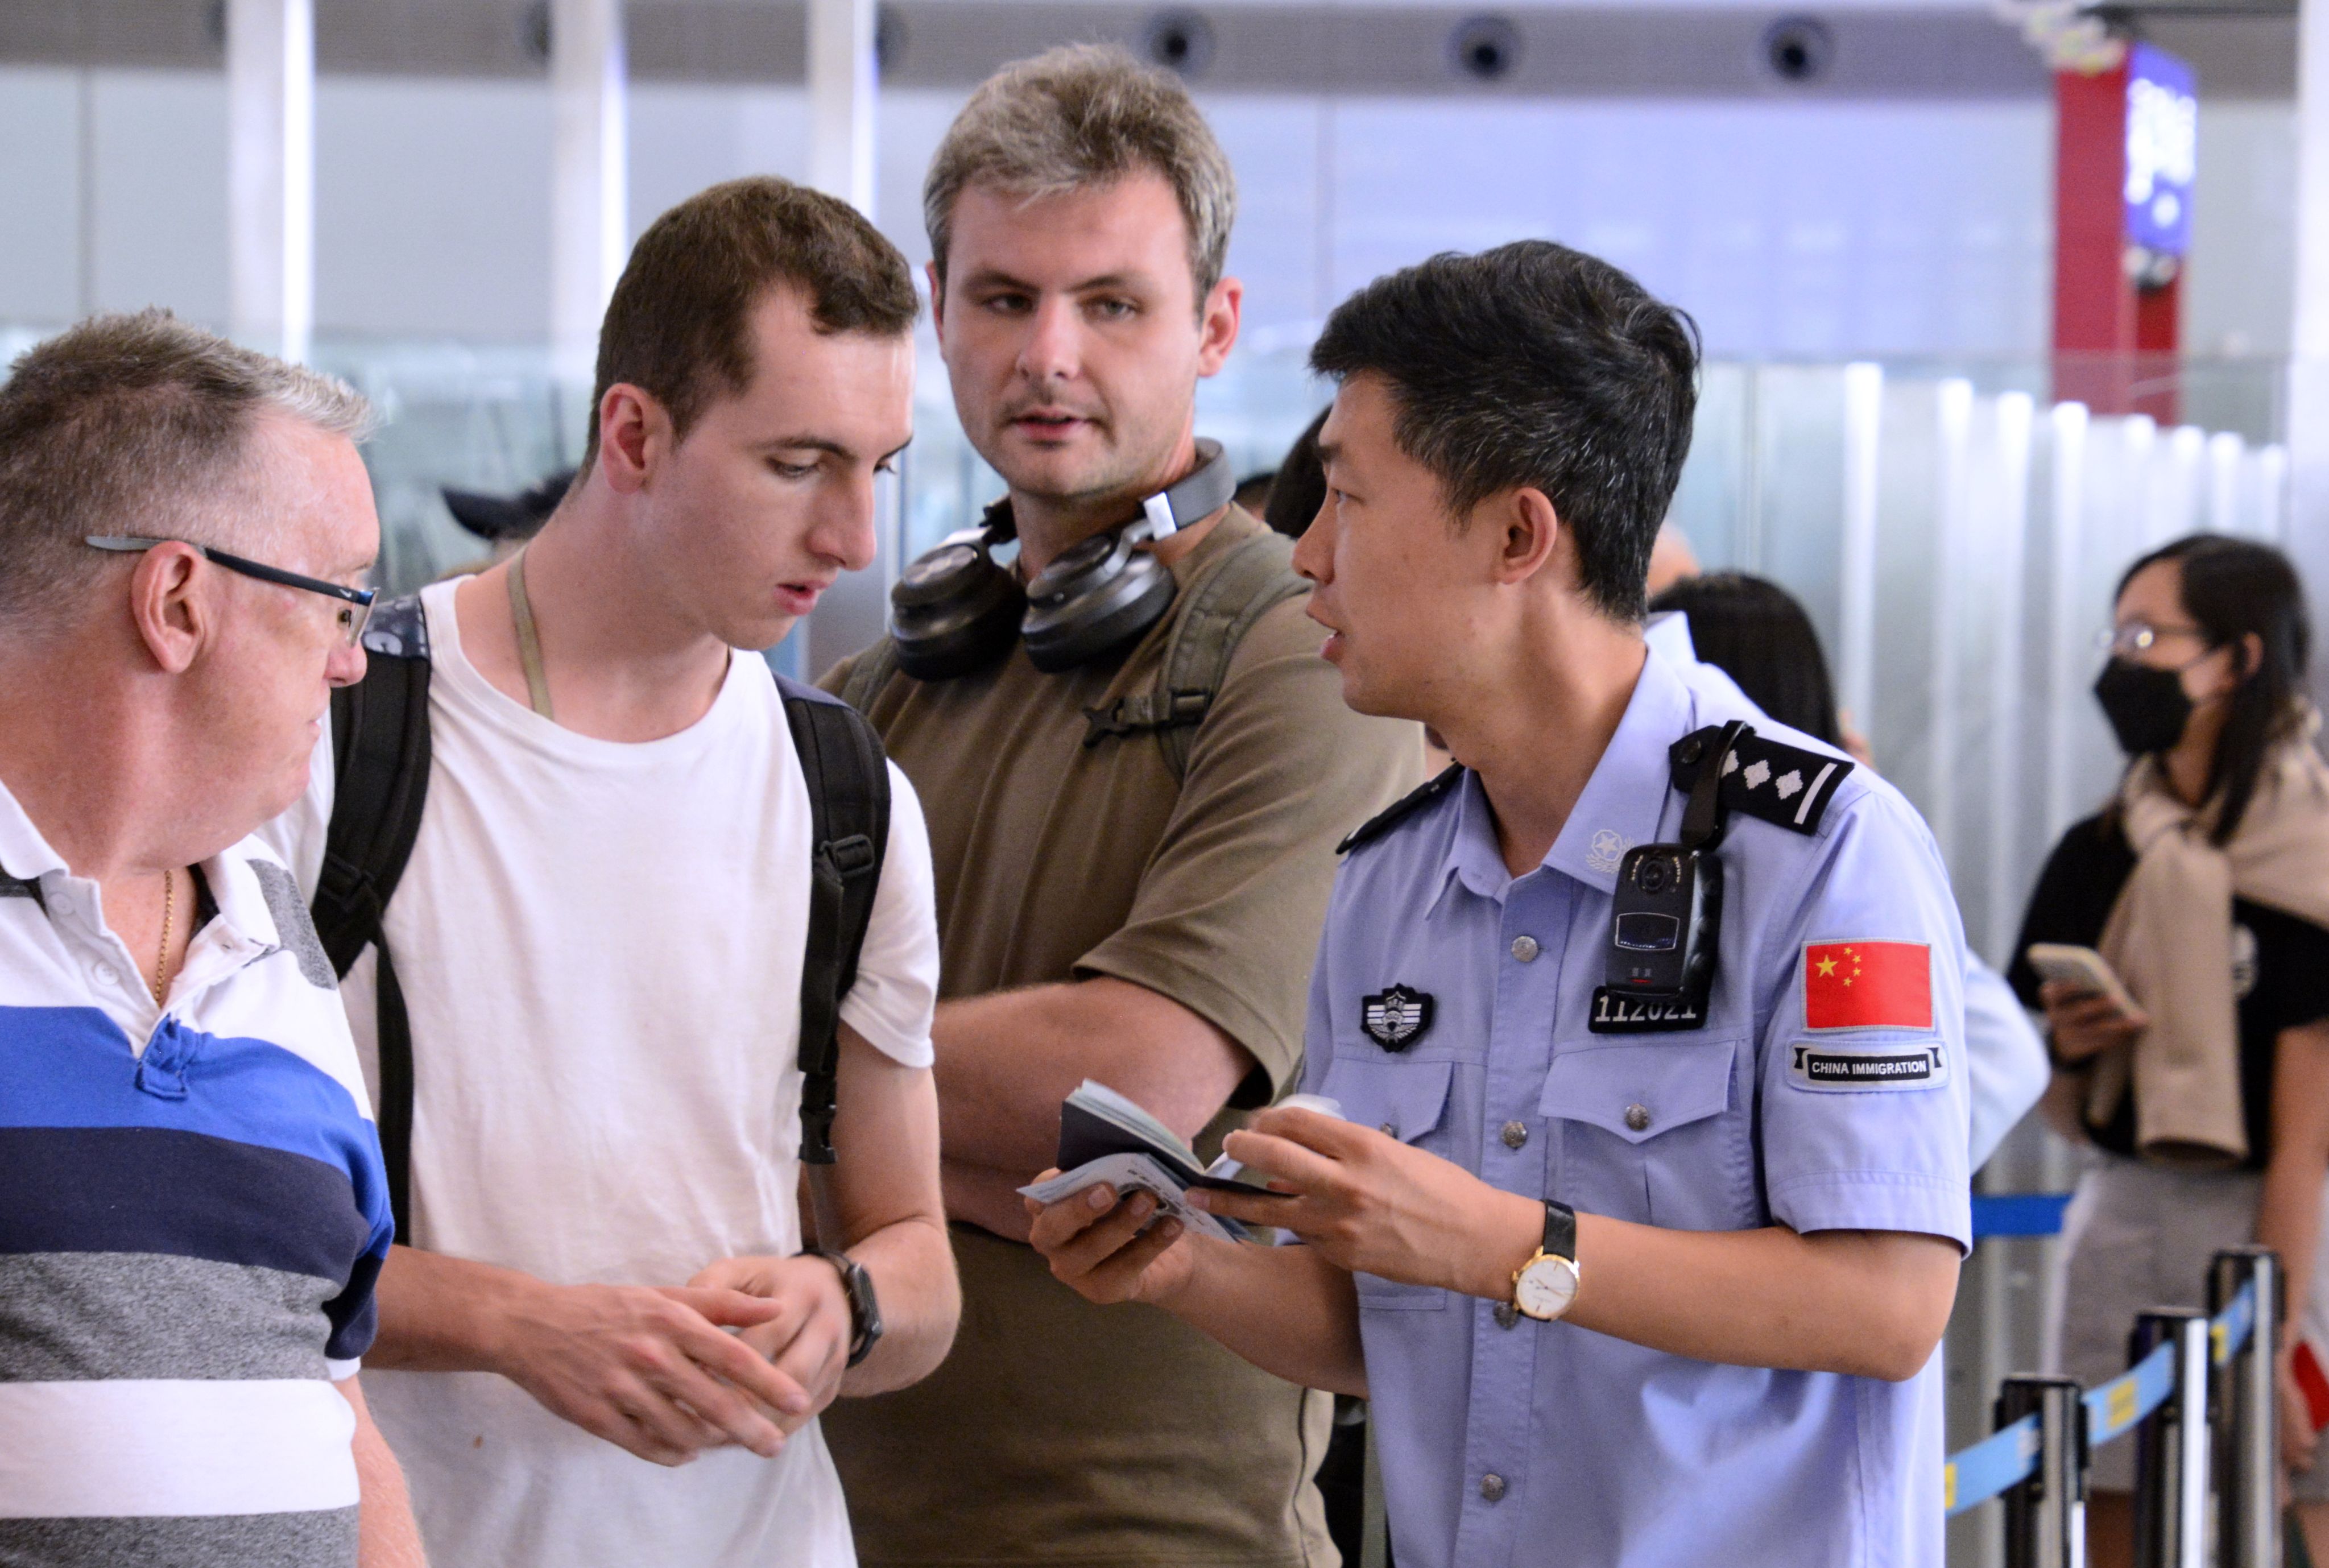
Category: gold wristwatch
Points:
column 1545, row 1286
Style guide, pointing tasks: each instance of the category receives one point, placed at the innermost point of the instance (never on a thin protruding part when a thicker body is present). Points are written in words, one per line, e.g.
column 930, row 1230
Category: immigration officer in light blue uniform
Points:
column 1639, row 1277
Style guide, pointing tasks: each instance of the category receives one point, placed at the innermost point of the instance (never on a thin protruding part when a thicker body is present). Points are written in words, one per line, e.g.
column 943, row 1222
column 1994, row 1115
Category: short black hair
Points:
column 1300, row 488
column 1755, row 632
column 2234, row 589
column 1534, row 364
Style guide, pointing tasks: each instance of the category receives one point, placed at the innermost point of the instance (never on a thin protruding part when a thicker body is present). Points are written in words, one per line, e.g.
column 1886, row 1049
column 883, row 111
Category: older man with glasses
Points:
column 356, row 608
column 192, row 1210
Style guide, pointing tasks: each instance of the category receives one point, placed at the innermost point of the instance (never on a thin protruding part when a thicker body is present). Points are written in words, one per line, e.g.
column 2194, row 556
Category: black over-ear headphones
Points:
column 956, row 609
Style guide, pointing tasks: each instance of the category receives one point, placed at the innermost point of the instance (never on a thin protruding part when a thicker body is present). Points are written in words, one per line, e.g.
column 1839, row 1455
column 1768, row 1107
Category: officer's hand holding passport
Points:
column 1367, row 1202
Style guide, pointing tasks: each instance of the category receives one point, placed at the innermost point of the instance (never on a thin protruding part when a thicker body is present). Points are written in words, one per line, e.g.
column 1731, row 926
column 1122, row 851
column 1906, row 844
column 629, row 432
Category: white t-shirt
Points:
column 600, row 946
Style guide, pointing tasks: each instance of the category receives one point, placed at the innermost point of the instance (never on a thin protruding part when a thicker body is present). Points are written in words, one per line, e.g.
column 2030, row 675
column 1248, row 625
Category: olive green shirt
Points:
column 1059, row 1432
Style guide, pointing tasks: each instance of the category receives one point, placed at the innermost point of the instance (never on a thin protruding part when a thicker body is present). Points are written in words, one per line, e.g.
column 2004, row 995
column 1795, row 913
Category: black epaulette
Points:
column 1399, row 810
column 1766, row 779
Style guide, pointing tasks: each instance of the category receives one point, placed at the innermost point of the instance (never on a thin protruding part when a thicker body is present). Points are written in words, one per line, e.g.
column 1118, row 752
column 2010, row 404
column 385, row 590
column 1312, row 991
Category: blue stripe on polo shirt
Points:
column 258, row 1140
column 71, row 1067
column 144, row 1189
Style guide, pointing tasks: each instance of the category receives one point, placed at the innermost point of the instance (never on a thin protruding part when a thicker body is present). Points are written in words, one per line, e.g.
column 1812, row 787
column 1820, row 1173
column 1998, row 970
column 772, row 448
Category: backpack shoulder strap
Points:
column 1251, row 579
column 380, row 771
column 869, row 674
column 849, row 815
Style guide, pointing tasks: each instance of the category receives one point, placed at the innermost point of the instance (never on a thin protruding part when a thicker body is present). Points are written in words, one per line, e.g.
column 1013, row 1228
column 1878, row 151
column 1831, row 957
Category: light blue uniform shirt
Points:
column 1506, row 1440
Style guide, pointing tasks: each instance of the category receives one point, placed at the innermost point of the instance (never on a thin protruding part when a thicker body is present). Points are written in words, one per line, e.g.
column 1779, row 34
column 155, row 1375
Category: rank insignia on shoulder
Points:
column 1396, row 1016
column 1764, row 778
column 1649, row 1013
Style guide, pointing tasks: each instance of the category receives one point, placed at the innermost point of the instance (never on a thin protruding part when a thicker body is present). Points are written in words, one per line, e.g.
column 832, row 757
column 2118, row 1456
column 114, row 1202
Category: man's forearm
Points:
column 1869, row 1303
column 912, row 1262
column 981, row 1196
column 387, row 1535
column 442, row 1314
column 1285, row 1309
column 1006, row 1059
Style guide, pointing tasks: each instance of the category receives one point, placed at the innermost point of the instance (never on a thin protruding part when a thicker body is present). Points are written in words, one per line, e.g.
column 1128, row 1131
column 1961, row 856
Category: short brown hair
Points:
column 675, row 328
column 133, row 424
column 1086, row 114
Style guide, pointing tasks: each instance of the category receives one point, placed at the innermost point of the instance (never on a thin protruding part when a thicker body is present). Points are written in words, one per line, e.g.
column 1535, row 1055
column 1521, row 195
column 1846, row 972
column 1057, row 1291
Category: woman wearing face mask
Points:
column 2204, row 883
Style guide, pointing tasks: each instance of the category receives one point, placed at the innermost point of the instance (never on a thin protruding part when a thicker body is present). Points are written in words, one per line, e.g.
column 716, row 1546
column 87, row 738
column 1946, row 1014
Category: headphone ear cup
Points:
column 1094, row 601
column 954, row 611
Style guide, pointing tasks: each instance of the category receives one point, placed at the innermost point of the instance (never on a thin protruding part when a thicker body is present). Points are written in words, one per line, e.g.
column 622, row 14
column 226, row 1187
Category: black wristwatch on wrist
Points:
column 864, row 1311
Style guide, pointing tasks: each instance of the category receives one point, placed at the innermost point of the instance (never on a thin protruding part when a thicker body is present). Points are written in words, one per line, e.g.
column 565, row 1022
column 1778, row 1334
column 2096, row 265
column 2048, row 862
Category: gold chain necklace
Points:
column 162, row 959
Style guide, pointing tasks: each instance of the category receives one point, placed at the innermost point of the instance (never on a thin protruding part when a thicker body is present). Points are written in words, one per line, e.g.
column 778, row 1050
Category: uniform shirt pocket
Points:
column 1651, row 1132
column 1407, row 1101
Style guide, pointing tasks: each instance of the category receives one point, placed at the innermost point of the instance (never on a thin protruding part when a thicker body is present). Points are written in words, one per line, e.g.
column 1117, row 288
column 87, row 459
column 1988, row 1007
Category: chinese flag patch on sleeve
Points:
column 1868, row 986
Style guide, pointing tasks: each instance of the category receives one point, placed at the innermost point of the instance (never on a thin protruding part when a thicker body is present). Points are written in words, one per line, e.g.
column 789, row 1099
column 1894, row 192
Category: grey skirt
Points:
column 2140, row 1235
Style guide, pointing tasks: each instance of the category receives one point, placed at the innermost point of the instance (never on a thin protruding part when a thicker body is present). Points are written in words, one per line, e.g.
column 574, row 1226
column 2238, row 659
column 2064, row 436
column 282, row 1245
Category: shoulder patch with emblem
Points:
column 1396, row 1016
column 1765, row 779
column 1867, row 985
column 1400, row 809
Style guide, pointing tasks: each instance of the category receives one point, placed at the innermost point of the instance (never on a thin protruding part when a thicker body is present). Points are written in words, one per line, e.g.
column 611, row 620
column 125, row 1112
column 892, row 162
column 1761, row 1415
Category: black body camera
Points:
column 1669, row 908
column 1668, row 917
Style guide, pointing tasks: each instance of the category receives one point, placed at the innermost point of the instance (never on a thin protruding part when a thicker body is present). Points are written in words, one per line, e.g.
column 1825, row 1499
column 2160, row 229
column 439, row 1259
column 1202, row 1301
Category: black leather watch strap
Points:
column 1560, row 1231
column 864, row 1310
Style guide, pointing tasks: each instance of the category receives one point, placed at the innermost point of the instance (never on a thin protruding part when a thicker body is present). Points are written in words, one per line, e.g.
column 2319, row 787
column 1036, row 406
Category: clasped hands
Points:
column 653, row 1370
column 1366, row 1202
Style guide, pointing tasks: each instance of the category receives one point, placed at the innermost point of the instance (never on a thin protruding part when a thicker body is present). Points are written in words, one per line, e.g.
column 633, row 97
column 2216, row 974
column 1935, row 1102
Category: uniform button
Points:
column 1525, row 950
column 104, row 973
column 1390, row 1129
column 1506, row 1315
column 1637, row 1117
column 1492, row 1487
column 1515, row 1134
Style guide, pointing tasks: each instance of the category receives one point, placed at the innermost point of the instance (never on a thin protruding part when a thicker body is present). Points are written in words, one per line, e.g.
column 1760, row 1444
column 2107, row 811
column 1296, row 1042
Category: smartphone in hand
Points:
column 2083, row 968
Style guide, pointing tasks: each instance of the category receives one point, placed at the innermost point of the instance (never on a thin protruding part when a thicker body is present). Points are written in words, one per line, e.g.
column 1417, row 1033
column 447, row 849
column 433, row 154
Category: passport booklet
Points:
column 1106, row 1138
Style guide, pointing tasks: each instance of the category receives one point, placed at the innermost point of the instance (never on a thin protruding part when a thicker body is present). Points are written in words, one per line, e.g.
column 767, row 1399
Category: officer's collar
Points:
column 1622, row 806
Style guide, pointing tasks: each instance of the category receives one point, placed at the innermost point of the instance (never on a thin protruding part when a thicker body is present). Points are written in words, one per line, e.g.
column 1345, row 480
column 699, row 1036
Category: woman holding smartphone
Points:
column 2204, row 885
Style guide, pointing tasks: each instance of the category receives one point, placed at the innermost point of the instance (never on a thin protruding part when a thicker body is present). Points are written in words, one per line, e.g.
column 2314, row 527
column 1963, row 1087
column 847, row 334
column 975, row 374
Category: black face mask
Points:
column 2146, row 706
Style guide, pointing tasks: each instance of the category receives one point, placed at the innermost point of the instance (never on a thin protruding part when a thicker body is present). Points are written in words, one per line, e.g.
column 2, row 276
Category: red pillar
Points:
column 2116, row 338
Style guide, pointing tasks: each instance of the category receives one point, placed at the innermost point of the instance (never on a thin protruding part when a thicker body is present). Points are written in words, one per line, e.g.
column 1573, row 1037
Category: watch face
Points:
column 1546, row 1288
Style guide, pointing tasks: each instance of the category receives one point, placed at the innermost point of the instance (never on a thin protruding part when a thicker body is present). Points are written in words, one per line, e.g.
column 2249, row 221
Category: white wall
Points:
column 1811, row 230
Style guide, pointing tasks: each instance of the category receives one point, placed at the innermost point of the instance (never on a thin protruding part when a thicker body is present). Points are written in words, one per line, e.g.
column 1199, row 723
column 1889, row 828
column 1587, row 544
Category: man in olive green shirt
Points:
column 1101, row 917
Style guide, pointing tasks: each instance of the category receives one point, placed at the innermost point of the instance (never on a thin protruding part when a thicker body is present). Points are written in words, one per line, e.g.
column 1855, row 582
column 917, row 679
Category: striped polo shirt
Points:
column 193, row 1213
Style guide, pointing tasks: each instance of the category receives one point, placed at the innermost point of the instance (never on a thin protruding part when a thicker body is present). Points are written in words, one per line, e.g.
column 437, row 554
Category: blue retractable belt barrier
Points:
column 1977, row 1474
column 2018, row 1214
column 2127, row 1398
column 2228, row 1331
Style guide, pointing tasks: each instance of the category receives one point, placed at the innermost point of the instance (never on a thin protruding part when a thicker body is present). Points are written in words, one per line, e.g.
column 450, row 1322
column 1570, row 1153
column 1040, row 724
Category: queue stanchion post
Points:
column 2248, row 1395
column 2172, row 1447
column 2046, row 1512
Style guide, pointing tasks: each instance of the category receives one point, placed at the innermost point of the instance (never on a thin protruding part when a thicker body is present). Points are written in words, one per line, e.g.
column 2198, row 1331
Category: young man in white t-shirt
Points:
column 599, row 939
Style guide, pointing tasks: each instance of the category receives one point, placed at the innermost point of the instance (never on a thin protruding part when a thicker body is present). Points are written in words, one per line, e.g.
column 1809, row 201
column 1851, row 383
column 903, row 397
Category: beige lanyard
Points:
column 529, row 643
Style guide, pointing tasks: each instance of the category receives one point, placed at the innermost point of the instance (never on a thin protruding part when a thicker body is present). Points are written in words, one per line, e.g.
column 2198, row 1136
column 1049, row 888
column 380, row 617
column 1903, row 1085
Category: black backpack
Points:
column 381, row 760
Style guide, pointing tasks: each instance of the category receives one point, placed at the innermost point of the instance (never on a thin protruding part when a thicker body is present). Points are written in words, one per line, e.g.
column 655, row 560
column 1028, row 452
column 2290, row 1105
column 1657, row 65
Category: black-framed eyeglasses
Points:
column 358, row 601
